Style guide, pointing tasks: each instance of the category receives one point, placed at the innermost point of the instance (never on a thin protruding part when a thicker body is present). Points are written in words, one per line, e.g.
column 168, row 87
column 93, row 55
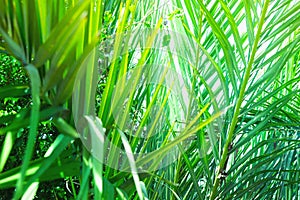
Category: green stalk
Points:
column 34, row 120
column 239, row 103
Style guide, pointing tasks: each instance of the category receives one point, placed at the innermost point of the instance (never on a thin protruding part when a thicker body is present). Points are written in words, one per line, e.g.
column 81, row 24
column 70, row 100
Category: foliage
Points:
column 12, row 74
column 237, row 137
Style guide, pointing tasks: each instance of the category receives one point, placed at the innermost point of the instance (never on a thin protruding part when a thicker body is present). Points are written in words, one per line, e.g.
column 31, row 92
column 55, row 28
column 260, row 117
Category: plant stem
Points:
column 239, row 103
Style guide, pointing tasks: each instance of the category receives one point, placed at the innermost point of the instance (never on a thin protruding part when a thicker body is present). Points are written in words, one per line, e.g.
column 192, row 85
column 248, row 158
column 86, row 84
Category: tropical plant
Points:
column 154, row 99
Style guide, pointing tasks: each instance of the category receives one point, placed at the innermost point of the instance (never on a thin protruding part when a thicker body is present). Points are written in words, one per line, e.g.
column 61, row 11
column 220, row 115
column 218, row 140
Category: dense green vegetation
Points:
column 128, row 99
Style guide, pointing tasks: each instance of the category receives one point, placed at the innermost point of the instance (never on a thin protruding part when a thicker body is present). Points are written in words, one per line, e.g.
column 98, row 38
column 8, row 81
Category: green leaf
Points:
column 34, row 119
column 14, row 91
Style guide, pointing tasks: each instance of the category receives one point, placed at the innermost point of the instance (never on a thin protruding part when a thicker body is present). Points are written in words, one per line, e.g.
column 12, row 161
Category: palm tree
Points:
column 194, row 99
